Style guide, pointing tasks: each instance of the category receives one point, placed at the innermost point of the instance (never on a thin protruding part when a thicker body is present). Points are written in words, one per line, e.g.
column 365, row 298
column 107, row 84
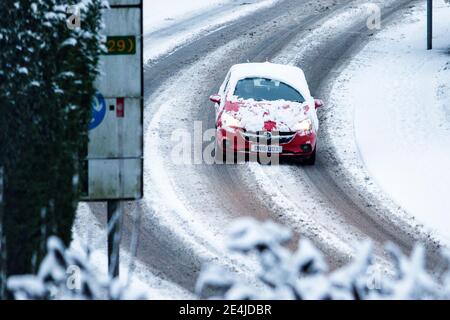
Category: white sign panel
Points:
column 115, row 150
column 121, row 69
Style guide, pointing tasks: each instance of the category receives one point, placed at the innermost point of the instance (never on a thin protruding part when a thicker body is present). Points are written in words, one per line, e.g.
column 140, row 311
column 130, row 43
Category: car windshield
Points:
column 260, row 89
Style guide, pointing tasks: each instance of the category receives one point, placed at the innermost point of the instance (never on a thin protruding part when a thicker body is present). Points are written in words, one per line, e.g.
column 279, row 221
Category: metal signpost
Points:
column 115, row 151
column 429, row 24
column 2, row 240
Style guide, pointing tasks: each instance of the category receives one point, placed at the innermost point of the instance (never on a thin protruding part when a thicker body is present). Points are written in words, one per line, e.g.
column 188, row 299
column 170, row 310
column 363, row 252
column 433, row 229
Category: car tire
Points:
column 312, row 159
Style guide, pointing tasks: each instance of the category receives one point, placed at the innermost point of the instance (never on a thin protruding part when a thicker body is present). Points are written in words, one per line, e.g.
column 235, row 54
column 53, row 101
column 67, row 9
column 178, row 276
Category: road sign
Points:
column 115, row 150
column 121, row 45
column 98, row 111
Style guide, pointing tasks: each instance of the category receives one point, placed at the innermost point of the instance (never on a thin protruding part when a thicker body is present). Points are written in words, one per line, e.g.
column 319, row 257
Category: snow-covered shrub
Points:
column 282, row 274
column 304, row 274
column 64, row 274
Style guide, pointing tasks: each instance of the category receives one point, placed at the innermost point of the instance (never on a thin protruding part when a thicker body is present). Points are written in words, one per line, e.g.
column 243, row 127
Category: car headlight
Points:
column 230, row 121
column 305, row 126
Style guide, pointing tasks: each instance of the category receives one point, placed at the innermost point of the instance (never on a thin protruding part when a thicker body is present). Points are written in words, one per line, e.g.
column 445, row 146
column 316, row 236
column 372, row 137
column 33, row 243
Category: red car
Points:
column 266, row 108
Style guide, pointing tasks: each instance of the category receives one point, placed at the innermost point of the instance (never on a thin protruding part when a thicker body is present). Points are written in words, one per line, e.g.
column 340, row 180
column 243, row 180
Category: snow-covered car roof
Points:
column 293, row 76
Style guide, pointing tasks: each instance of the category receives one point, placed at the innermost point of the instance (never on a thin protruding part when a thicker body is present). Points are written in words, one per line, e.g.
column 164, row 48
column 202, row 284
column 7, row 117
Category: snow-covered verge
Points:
column 302, row 275
column 169, row 24
column 161, row 14
column 391, row 109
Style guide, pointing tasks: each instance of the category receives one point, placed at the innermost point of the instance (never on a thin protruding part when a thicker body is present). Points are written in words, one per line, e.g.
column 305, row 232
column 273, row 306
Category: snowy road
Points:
column 186, row 206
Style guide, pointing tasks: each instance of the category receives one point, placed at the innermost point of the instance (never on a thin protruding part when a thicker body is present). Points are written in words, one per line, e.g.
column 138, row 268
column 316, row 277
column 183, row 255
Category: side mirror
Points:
column 215, row 98
column 318, row 103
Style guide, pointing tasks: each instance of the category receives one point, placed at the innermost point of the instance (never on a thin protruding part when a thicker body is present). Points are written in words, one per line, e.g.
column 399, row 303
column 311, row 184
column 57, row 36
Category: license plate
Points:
column 266, row 149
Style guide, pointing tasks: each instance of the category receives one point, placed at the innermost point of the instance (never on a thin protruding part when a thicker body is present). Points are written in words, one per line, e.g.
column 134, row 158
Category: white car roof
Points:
column 291, row 75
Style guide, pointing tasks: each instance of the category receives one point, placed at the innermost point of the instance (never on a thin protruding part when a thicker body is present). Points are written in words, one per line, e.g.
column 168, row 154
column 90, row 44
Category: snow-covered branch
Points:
column 304, row 274
column 282, row 274
column 66, row 275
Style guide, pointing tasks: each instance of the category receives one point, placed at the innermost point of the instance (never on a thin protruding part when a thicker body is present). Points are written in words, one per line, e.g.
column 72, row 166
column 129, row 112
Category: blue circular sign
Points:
column 98, row 111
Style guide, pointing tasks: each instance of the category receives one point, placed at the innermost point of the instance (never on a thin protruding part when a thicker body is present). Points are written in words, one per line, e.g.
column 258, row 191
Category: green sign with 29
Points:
column 121, row 45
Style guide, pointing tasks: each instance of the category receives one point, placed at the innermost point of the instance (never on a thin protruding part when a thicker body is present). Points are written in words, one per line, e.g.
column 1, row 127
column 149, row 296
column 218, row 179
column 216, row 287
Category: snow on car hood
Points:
column 278, row 115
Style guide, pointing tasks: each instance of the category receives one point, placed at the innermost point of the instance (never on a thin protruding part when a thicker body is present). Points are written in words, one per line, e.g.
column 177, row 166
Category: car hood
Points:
column 280, row 115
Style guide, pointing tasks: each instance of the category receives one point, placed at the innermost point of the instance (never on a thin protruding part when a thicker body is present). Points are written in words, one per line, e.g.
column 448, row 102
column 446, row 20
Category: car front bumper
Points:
column 294, row 144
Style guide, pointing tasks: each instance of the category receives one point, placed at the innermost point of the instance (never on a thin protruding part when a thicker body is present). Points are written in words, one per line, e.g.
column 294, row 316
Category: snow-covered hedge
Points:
column 304, row 274
column 282, row 274
column 47, row 82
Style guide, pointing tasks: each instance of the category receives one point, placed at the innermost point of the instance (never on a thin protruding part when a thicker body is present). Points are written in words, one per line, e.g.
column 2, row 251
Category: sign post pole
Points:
column 429, row 24
column 114, row 236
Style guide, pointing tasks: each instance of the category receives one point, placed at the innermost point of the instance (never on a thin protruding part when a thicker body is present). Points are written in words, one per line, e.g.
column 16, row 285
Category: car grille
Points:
column 268, row 137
